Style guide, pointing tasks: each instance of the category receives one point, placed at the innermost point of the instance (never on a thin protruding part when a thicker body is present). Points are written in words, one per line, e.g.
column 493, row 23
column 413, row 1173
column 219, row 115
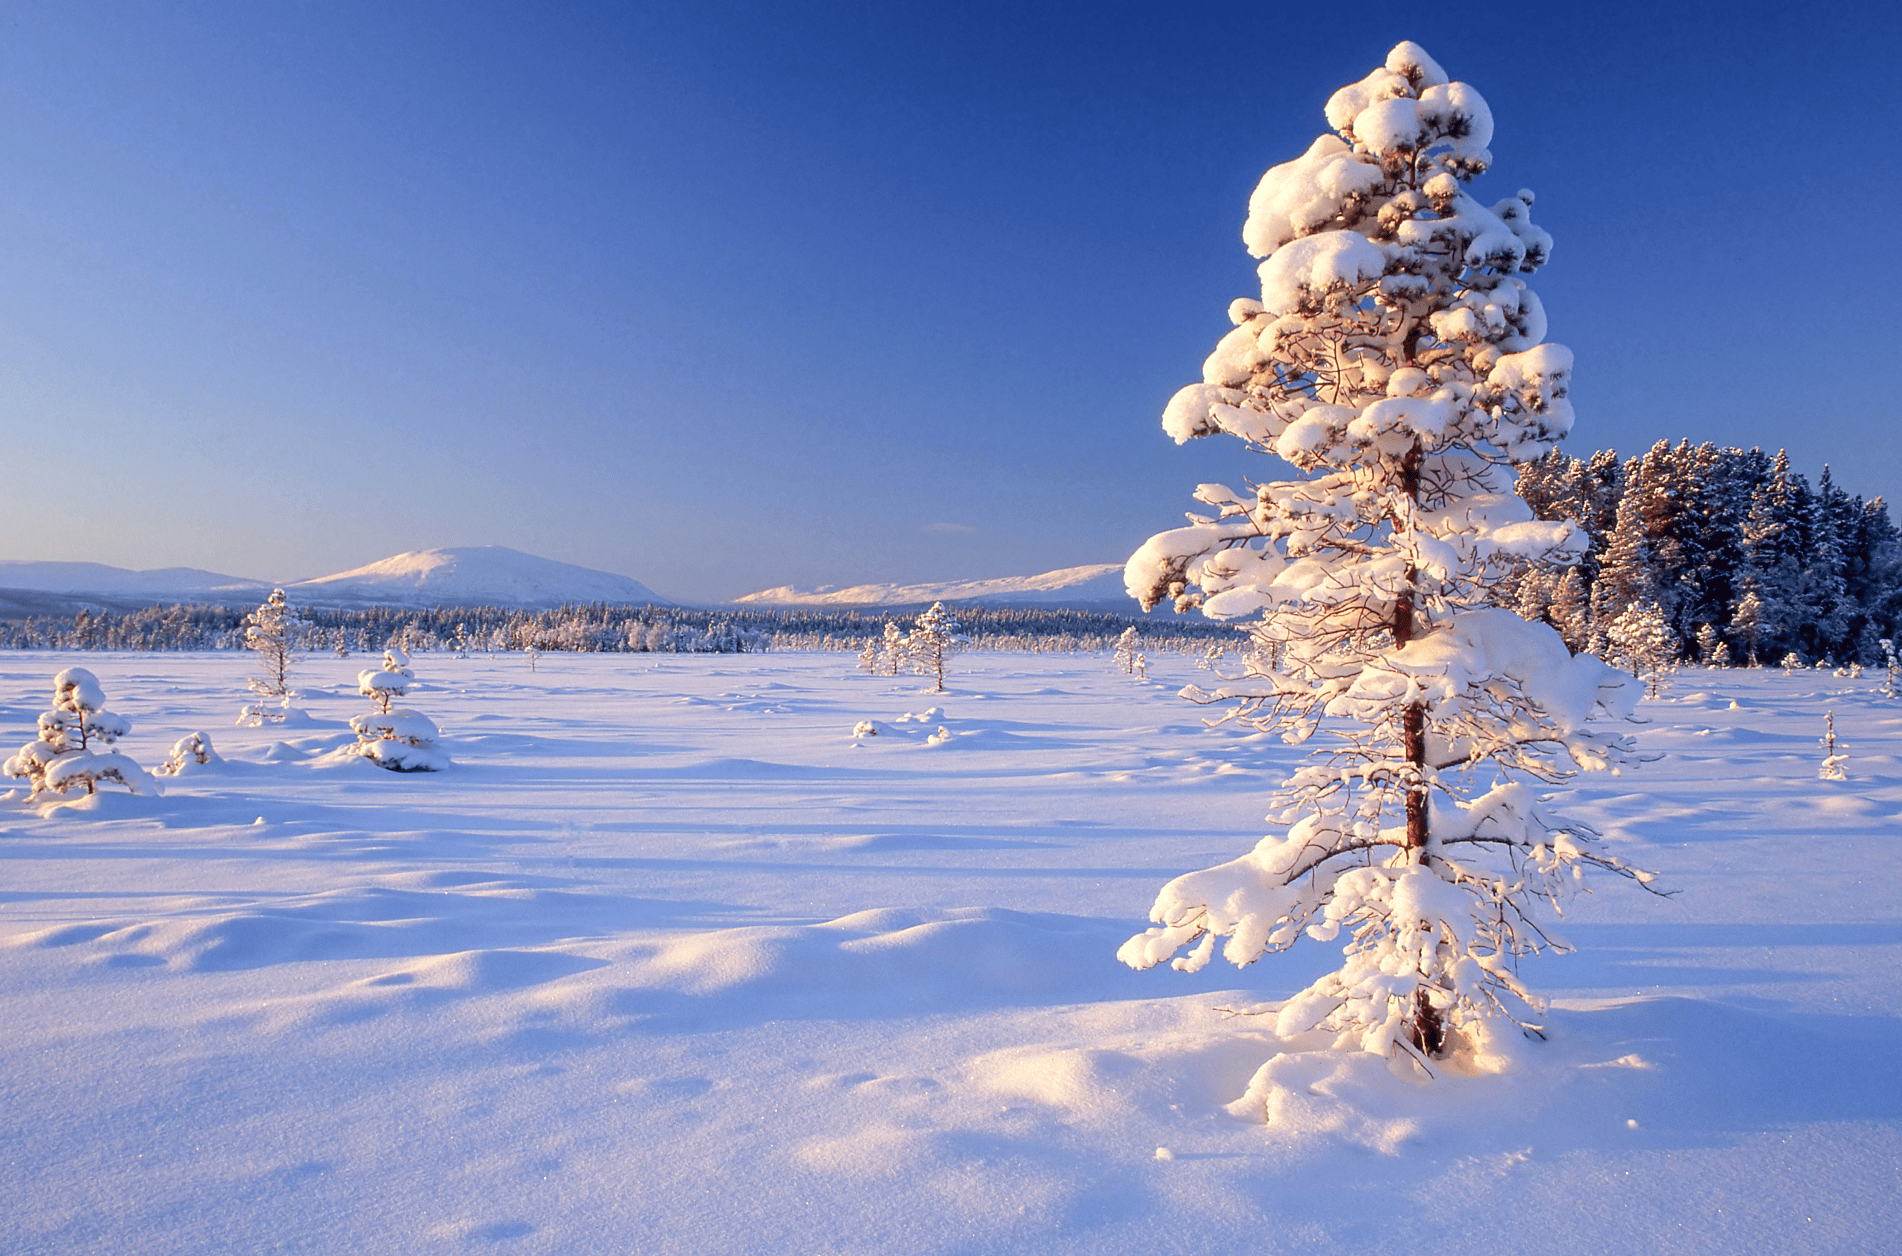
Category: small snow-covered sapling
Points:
column 1889, row 660
column 1835, row 753
column 395, row 738
column 62, row 757
column 389, row 682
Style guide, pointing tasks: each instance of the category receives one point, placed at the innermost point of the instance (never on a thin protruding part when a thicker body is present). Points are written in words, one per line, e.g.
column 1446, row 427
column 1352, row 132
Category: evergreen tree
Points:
column 1397, row 357
column 931, row 643
column 274, row 632
column 65, row 755
column 1775, row 546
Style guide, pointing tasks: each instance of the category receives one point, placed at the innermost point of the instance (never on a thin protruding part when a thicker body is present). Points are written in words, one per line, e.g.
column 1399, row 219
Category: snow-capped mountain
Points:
column 1099, row 585
column 476, row 575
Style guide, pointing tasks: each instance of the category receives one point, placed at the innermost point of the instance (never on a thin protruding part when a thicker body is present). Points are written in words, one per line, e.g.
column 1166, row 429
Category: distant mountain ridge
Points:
column 1099, row 585
column 477, row 575
column 118, row 581
column 480, row 575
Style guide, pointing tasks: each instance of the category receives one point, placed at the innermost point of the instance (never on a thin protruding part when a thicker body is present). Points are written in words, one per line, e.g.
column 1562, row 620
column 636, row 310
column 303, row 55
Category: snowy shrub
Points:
column 1397, row 357
column 394, row 737
column 400, row 740
column 1127, row 647
column 272, row 631
column 932, row 641
column 1792, row 663
column 62, row 757
column 189, row 753
column 1890, row 662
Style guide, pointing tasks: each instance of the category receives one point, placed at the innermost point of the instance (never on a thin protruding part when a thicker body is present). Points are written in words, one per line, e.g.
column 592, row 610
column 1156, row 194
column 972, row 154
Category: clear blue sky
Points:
column 726, row 296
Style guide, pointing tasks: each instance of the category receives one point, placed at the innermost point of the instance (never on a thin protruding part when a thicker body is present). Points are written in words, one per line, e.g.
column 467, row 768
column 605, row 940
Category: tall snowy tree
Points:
column 1775, row 542
column 1397, row 358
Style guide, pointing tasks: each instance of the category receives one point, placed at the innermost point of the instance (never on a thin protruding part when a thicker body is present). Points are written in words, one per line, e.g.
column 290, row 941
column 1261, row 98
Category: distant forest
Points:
column 601, row 628
column 1745, row 560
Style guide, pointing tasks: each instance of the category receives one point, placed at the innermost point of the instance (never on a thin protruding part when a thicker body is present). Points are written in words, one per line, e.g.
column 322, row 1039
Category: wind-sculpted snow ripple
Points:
column 880, row 963
column 363, row 923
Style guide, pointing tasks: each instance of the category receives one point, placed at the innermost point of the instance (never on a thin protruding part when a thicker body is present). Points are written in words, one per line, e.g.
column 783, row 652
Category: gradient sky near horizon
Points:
column 724, row 296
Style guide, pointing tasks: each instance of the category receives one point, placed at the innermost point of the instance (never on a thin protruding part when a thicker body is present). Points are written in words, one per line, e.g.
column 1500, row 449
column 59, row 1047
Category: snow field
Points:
column 671, row 961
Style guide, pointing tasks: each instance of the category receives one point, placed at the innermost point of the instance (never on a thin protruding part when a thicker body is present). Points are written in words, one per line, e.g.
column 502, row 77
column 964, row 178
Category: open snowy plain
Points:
column 670, row 962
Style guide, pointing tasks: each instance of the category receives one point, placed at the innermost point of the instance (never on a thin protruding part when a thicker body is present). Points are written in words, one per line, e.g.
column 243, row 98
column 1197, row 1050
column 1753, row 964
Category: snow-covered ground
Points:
column 669, row 963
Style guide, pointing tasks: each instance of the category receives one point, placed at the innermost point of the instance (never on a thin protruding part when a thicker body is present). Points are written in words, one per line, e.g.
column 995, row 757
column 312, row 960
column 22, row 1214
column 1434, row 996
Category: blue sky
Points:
column 727, row 296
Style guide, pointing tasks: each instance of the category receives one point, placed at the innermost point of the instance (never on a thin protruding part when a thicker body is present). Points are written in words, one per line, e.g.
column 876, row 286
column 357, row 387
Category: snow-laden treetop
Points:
column 1373, row 223
column 1395, row 337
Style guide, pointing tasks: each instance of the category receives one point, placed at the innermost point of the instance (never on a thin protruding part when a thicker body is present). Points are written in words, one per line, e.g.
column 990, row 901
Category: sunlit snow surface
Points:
column 670, row 962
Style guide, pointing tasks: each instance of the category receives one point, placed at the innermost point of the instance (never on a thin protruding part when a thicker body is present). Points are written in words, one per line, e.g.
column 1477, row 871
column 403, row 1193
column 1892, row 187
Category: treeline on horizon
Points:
column 1747, row 562
column 598, row 628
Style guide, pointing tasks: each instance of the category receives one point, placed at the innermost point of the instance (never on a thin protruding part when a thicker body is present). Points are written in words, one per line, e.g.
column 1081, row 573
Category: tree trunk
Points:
column 1426, row 1028
column 1413, row 719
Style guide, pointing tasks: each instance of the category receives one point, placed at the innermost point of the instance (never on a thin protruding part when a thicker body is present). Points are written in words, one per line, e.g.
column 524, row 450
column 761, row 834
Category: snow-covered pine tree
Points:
column 1775, row 543
column 1397, row 357
column 395, row 737
column 391, row 681
column 1750, row 624
column 1643, row 642
column 892, row 649
column 63, row 757
column 274, row 632
column 1825, row 609
column 1707, row 643
column 1570, row 610
column 869, row 657
column 1127, row 647
column 934, row 638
